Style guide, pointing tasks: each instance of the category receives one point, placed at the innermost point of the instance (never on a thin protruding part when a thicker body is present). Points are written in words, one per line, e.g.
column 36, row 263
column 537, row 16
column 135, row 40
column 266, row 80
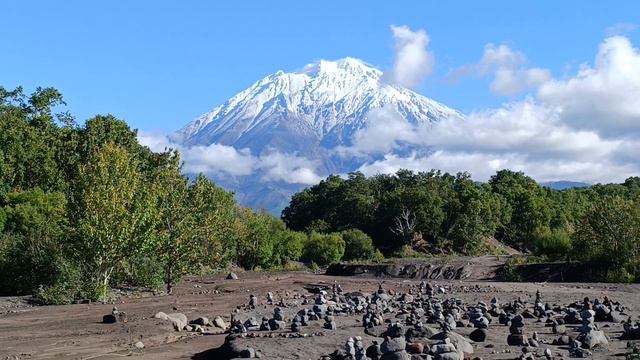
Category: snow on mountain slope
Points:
column 324, row 104
column 308, row 113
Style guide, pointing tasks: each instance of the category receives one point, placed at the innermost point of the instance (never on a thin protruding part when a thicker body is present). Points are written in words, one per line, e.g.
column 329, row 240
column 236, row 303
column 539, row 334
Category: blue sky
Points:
column 158, row 64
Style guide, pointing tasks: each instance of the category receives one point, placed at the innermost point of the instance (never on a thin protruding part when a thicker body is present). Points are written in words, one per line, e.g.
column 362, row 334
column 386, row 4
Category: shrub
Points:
column 142, row 271
column 378, row 256
column 357, row 245
column 510, row 274
column 619, row 276
column 28, row 263
column 323, row 249
column 69, row 286
column 288, row 247
column 556, row 245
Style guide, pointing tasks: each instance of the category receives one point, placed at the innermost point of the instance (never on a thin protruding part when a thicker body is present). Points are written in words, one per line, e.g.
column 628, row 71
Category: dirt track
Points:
column 76, row 331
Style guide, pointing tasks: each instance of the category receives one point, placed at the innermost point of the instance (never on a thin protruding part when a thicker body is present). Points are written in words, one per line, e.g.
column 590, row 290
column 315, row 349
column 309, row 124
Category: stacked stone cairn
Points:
column 590, row 336
column 445, row 350
column 516, row 335
column 329, row 322
column 631, row 330
column 116, row 316
column 394, row 344
column 253, row 301
column 277, row 321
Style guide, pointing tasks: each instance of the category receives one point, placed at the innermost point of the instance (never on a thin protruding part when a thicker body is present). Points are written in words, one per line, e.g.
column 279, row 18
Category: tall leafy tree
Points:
column 115, row 213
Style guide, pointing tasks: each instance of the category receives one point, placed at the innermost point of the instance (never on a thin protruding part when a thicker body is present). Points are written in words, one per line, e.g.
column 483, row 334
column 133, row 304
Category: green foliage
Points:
column 116, row 213
column 396, row 210
column 84, row 208
column 288, row 248
column 143, row 270
column 620, row 276
column 357, row 245
column 3, row 219
column 608, row 233
column 555, row 244
column 510, row 274
column 32, row 249
column 323, row 249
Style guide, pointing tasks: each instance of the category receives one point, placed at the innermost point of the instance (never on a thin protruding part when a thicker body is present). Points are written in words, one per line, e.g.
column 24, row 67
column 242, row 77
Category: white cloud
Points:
column 386, row 130
column 288, row 168
column 583, row 127
column 413, row 62
column 218, row 158
column 508, row 67
column 604, row 97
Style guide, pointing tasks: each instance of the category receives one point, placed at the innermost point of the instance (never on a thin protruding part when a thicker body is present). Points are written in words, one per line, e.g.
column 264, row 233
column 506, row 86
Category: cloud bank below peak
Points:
column 583, row 127
column 216, row 159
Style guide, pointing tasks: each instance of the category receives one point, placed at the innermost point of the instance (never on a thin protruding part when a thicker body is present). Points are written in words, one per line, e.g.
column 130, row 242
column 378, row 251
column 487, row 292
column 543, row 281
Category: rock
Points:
column 115, row 317
column 277, row 324
column 139, row 345
column 415, row 348
column 579, row 353
column 594, row 339
column 478, row 335
column 232, row 276
column 459, row 342
column 219, row 322
column 616, row 317
column 373, row 351
column 517, row 340
column 559, row 329
column 449, row 356
column 419, row 332
column 247, row 353
column 563, row 340
column 161, row 315
column 178, row 320
column 393, row 344
column 378, row 331
column 398, row 355
column 394, row 331
column 202, row 321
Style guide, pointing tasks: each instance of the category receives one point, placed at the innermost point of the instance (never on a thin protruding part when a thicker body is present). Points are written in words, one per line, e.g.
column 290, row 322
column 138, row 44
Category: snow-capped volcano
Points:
column 321, row 105
column 308, row 113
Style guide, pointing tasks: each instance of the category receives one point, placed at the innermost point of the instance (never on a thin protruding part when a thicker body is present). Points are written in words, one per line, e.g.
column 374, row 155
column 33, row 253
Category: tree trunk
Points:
column 169, row 281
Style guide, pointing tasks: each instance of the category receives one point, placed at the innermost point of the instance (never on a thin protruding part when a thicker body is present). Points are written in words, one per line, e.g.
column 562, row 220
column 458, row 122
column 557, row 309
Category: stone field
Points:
column 300, row 315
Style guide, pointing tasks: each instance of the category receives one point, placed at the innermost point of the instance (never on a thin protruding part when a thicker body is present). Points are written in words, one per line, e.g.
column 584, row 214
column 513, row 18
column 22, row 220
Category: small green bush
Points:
column 323, row 249
column 619, row 276
column 140, row 271
column 357, row 245
column 288, row 247
column 510, row 274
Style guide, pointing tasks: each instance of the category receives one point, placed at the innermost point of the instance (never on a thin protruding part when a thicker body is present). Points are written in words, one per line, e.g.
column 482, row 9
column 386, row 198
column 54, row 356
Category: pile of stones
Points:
column 423, row 323
column 116, row 316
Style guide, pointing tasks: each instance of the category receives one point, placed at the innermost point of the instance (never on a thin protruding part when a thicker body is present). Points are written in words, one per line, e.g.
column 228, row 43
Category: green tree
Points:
column 33, row 246
column 288, row 247
column 214, row 211
column 527, row 207
column 357, row 245
column 323, row 249
column 609, row 233
column 176, row 244
column 115, row 214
